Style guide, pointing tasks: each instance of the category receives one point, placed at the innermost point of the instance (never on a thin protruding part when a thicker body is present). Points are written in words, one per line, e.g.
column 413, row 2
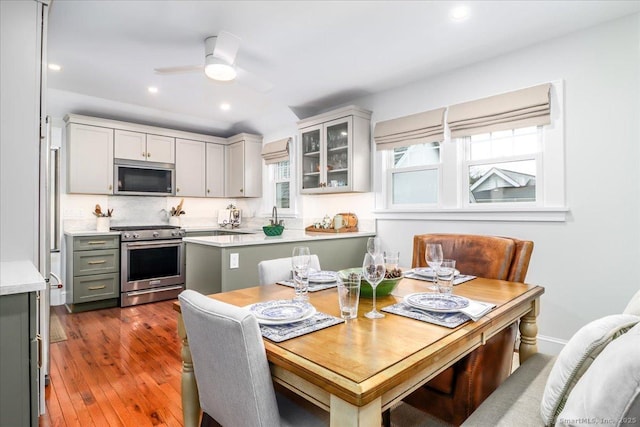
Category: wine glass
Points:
column 373, row 271
column 300, row 260
column 373, row 246
column 433, row 256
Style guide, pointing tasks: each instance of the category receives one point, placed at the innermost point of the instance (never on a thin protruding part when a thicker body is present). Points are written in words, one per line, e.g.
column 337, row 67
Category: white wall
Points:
column 19, row 138
column 588, row 264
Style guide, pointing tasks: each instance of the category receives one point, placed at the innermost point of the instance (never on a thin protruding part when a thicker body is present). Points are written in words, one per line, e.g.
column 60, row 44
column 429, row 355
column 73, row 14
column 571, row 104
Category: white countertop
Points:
column 17, row 277
column 239, row 230
column 260, row 238
column 91, row 233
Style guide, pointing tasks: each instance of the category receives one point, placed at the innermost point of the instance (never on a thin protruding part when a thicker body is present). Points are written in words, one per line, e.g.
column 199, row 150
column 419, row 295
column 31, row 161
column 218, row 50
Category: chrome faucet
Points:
column 274, row 214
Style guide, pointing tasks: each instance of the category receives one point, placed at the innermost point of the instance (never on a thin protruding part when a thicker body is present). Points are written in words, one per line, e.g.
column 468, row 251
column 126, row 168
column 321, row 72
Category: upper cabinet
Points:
column 215, row 170
column 190, row 168
column 89, row 159
column 335, row 154
column 144, row 147
column 243, row 166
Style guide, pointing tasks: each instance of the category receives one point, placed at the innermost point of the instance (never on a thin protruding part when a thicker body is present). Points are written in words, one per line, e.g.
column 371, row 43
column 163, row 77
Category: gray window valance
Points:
column 277, row 151
column 521, row 108
column 415, row 129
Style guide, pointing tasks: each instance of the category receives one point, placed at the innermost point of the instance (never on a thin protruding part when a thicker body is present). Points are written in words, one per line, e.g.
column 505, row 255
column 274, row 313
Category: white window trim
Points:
column 549, row 207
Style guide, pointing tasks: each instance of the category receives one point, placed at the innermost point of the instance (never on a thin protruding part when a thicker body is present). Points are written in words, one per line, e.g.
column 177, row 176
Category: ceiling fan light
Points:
column 217, row 69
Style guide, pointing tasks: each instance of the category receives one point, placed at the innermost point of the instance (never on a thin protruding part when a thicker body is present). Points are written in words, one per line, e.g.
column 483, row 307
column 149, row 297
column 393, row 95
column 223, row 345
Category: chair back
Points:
column 493, row 257
column 275, row 270
column 229, row 361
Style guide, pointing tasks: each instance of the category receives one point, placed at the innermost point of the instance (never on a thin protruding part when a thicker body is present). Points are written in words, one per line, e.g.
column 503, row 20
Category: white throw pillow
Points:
column 634, row 305
column 609, row 391
column 576, row 357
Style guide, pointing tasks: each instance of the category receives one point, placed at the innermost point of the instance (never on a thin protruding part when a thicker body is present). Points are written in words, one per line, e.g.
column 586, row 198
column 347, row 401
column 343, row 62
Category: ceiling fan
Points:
column 220, row 63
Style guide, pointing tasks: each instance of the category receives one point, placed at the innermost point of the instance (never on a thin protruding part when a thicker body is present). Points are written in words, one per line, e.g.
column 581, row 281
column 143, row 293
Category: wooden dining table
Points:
column 358, row 369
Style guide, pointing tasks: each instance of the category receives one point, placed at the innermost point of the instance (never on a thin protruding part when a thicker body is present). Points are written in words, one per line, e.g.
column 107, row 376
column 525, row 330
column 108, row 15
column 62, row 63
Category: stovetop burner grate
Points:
column 144, row 227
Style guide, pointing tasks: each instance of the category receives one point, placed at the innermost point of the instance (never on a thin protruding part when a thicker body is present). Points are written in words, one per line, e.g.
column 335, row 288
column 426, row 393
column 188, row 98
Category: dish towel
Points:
column 313, row 287
column 279, row 333
column 474, row 311
column 460, row 278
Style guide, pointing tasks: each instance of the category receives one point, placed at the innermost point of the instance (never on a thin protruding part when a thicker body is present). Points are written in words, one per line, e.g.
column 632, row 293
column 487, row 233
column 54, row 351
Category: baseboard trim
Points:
column 550, row 345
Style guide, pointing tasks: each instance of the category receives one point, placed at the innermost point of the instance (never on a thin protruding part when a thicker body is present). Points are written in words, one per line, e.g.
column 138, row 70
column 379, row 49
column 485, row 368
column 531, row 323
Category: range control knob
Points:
column 136, row 235
column 156, row 234
column 126, row 235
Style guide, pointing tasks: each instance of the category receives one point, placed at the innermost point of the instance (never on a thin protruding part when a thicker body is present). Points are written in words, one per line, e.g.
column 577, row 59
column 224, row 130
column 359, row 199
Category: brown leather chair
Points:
column 456, row 392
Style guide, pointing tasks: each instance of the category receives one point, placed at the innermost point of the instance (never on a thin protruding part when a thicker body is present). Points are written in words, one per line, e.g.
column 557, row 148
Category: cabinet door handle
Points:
column 144, row 154
column 241, row 190
column 110, row 187
column 208, row 191
column 148, row 155
column 96, row 262
column 96, row 288
column 97, row 242
column 177, row 190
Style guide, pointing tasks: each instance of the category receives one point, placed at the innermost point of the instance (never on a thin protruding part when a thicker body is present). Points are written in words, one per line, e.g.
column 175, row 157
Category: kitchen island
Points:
column 224, row 263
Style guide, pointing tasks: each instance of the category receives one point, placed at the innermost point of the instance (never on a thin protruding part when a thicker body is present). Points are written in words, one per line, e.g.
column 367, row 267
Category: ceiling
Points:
column 316, row 54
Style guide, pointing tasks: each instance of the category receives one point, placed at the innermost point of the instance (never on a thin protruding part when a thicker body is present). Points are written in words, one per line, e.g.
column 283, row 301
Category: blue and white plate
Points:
column 322, row 277
column 428, row 272
column 441, row 303
column 280, row 310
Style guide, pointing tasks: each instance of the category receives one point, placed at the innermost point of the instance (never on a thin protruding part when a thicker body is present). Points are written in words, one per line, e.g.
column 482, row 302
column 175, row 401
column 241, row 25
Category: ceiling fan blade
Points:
column 178, row 70
column 252, row 81
column 226, row 47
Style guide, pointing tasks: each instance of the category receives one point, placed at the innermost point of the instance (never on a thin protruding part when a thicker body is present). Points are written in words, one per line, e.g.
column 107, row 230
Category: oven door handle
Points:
column 165, row 243
column 153, row 291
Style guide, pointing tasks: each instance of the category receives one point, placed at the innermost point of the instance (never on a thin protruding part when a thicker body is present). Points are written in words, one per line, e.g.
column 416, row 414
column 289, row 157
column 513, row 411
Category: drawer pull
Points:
column 95, row 288
column 96, row 262
column 97, row 242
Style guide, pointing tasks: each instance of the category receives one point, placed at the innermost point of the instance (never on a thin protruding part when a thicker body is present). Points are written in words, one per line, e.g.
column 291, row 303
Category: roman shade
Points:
column 415, row 129
column 521, row 108
column 277, row 151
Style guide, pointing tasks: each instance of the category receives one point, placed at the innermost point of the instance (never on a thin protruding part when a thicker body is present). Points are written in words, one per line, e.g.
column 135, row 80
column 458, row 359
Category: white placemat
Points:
column 461, row 278
column 313, row 287
column 474, row 311
column 279, row 333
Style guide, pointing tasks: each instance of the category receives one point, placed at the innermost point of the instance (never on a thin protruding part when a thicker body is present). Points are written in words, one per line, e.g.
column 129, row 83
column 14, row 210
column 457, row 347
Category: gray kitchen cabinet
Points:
column 215, row 170
column 243, row 166
column 190, row 168
column 89, row 159
column 19, row 361
column 143, row 147
column 92, row 271
column 335, row 154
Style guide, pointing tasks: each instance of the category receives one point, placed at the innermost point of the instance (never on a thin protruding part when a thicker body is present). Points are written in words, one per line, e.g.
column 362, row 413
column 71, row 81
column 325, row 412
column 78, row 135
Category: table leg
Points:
column 529, row 332
column 190, row 398
column 345, row 414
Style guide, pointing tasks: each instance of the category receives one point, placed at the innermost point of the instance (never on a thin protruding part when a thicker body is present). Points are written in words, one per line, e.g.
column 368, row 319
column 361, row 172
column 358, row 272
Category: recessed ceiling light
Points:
column 224, row 106
column 152, row 89
column 54, row 67
column 459, row 13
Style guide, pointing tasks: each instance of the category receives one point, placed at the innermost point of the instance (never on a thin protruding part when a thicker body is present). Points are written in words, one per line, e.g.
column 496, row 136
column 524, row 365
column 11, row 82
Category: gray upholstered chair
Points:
column 275, row 270
column 231, row 368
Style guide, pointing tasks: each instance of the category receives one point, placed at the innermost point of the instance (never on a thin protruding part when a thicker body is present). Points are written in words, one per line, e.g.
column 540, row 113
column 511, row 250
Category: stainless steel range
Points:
column 151, row 262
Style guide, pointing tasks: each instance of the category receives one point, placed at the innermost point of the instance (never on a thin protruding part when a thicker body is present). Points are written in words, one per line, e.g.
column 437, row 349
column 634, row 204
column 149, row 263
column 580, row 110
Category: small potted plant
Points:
column 174, row 215
column 103, row 220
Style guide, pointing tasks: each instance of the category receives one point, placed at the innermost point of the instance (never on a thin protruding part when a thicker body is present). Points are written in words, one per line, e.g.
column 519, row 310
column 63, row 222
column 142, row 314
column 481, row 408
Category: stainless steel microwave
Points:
column 141, row 178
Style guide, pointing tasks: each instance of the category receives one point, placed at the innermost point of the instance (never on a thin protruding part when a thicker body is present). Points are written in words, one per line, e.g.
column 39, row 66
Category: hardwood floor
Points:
column 118, row 367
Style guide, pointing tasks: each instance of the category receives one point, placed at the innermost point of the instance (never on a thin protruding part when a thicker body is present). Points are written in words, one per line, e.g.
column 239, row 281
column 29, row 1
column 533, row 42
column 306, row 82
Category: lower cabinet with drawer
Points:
column 92, row 271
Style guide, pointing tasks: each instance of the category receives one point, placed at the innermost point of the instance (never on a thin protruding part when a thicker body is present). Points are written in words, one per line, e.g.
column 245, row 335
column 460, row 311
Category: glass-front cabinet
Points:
column 335, row 154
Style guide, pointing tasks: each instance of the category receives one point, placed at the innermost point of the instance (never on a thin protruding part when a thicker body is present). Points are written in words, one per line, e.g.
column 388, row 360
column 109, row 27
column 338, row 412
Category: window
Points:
column 502, row 166
column 501, row 158
column 282, row 180
column 414, row 174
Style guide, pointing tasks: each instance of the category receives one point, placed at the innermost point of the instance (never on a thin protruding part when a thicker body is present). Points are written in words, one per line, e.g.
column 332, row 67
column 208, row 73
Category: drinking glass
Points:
column 348, row 295
column 373, row 246
column 300, row 260
column 433, row 256
column 391, row 260
column 373, row 271
column 445, row 275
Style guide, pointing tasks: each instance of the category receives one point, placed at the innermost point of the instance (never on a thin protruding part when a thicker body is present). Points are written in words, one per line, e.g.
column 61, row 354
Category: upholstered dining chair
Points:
column 456, row 392
column 275, row 270
column 231, row 368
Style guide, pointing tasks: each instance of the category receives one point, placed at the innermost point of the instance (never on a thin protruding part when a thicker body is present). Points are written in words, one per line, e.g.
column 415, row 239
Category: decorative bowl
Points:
column 384, row 288
column 273, row 230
